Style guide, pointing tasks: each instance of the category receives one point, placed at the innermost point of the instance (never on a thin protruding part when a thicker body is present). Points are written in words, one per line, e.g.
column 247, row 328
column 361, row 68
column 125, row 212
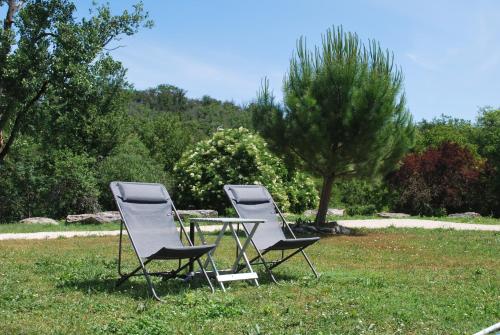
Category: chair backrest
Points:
column 255, row 202
column 146, row 210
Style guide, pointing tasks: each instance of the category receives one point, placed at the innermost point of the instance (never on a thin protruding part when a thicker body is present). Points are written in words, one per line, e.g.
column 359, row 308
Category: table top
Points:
column 227, row 220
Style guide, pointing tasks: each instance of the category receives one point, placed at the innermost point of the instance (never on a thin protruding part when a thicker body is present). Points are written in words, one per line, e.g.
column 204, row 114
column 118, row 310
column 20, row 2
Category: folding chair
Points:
column 148, row 212
column 255, row 202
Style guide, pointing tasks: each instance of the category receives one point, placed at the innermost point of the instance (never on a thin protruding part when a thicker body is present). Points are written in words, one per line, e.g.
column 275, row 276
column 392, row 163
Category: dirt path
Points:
column 416, row 223
column 370, row 224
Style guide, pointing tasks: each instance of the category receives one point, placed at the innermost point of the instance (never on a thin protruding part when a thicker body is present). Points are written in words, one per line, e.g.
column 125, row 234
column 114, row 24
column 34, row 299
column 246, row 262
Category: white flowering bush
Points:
column 237, row 156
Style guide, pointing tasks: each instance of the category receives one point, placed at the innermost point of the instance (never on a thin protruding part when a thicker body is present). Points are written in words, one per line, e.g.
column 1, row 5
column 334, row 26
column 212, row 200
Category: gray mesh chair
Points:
column 255, row 202
column 148, row 214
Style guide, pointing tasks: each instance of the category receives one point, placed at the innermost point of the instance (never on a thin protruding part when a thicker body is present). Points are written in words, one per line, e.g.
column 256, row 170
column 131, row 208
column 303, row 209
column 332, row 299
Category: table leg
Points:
column 242, row 249
column 191, row 237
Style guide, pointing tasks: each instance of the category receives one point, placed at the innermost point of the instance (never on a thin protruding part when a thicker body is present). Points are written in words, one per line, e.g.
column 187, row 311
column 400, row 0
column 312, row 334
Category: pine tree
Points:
column 344, row 113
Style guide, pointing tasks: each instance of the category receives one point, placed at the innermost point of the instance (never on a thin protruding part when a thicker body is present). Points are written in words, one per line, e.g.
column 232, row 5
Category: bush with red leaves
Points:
column 446, row 179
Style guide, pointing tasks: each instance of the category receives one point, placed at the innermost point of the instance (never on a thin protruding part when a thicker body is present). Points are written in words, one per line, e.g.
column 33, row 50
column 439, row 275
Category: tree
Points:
column 445, row 129
column 488, row 139
column 44, row 48
column 128, row 161
column 165, row 135
column 344, row 112
column 488, row 135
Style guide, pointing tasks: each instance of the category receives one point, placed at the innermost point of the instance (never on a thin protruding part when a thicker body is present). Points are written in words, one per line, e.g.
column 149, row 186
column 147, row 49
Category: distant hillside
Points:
column 205, row 114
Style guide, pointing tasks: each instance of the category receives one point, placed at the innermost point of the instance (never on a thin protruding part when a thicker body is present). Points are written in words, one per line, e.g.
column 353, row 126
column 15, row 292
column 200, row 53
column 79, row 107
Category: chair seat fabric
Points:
column 181, row 252
column 293, row 243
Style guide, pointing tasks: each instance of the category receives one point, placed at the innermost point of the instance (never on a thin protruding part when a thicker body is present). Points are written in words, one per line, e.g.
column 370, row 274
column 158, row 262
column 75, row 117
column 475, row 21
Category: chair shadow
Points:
column 265, row 278
column 137, row 287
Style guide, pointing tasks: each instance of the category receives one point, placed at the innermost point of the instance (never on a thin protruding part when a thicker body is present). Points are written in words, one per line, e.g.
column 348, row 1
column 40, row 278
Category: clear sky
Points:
column 449, row 51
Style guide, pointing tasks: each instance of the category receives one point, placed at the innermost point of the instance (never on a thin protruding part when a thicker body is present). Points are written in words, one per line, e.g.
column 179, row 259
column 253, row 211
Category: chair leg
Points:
column 205, row 275
column 120, row 250
column 310, row 264
column 150, row 283
column 301, row 250
column 268, row 268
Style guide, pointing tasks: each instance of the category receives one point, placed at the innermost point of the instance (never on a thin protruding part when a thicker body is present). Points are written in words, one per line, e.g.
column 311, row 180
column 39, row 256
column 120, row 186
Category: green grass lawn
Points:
column 31, row 228
column 392, row 281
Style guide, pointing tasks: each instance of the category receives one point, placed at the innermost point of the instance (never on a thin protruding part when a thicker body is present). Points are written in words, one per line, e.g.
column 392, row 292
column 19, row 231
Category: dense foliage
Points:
column 128, row 161
column 360, row 197
column 445, row 129
column 344, row 112
column 47, row 54
column 70, row 124
column 237, row 156
column 488, row 139
column 112, row 136
column 54, row 183
column 441, row 180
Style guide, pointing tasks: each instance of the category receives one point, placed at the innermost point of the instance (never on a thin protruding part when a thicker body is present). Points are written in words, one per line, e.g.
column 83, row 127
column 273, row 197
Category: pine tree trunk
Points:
column 326, row 192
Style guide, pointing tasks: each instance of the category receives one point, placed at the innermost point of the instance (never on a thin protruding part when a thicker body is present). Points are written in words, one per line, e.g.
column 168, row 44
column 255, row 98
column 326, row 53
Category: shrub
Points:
column 38, row 183
column 22, row 178
column 440, row 180
column 129, row 161
column 362, row 197
column 72, row 184
column 237, row 156
column 361, row 209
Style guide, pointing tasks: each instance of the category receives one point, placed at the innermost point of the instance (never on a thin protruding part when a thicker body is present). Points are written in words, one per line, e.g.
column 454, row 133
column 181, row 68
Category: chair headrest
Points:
column 142, row 193
column 249, row 194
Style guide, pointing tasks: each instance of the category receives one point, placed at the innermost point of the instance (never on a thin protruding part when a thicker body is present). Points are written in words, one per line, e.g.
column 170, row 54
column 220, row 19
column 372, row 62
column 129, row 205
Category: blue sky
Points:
column 449, row 51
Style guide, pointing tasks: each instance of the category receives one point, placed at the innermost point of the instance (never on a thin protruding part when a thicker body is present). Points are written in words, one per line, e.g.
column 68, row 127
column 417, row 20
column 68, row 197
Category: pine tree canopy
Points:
column 344, row 112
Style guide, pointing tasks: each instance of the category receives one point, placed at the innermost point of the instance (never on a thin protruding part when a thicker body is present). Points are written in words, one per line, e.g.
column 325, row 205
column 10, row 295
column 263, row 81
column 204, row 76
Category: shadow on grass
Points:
column 355, row 232
column 137, row 287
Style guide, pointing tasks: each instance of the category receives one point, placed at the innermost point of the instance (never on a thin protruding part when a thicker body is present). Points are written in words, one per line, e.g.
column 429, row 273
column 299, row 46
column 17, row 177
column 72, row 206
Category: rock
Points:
column 331, row 228
column 343, row 230
column 112, row 216
column 393, row 215
column 331, row 211
column 82, row 218
column 96, row 218
column 197, row 213
column 39, row 220
column 465, row 215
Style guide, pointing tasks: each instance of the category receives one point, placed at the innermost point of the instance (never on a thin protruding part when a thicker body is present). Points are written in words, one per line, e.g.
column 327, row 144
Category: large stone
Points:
column 82, row 218
column 112, row 216
column 96, row 218
column 465, row 215
column 197, row 213
column 331, row 211
column 39, row 220
column 389, row 215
